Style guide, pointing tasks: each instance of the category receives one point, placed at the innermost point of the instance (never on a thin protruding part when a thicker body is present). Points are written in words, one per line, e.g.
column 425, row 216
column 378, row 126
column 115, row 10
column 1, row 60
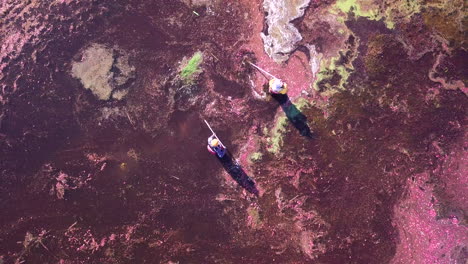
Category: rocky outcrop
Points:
column 281, row 36
column 103, row 71
column 38, row 36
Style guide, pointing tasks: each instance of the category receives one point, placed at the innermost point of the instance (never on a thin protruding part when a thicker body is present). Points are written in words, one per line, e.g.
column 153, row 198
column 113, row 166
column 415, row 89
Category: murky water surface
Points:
column 86, row 180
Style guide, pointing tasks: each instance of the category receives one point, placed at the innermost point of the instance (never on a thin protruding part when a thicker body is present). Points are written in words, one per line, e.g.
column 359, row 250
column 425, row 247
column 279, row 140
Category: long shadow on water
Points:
column 237, row 173
column 296, row 117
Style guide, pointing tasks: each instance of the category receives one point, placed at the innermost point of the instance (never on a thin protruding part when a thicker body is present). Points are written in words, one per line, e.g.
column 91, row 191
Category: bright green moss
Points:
column 256, row 156
column 192, row 68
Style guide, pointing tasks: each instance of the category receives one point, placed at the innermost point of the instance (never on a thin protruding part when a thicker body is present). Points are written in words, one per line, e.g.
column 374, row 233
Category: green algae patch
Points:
column 256, row 157
column 357, row 7
column 254, row 218
column 276, row 139
column 401, row 11
column 333, row 76
column 192, row 68
column 370, row 10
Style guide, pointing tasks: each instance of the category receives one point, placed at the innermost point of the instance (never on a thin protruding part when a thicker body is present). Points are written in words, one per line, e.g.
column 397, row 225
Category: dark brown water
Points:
column 146, row 170
column 140, row 187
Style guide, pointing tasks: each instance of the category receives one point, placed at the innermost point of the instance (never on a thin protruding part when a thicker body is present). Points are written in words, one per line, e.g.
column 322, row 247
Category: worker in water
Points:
column 216, row 147
column 278, row 87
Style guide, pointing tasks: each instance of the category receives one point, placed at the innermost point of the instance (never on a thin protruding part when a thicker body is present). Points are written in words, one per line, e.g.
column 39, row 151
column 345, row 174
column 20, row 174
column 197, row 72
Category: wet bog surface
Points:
column 103, row 153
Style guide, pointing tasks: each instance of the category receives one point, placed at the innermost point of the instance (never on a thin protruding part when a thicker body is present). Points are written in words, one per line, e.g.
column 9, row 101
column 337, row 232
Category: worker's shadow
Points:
column 298, row 119
column 237, row 173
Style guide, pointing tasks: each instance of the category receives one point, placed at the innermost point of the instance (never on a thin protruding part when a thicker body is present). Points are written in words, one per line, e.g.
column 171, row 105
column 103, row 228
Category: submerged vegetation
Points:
column 256, row 157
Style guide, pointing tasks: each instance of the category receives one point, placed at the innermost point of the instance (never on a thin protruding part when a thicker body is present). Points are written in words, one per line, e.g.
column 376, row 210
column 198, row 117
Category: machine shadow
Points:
column 296, row 117
column 237, row 173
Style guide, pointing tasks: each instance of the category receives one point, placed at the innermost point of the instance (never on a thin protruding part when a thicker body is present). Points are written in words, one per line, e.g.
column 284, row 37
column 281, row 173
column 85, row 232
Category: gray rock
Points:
column 103, row 71
column 282, row 36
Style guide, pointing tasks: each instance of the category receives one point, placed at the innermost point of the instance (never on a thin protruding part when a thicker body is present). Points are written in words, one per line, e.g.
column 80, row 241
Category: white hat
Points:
column 277, row 85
